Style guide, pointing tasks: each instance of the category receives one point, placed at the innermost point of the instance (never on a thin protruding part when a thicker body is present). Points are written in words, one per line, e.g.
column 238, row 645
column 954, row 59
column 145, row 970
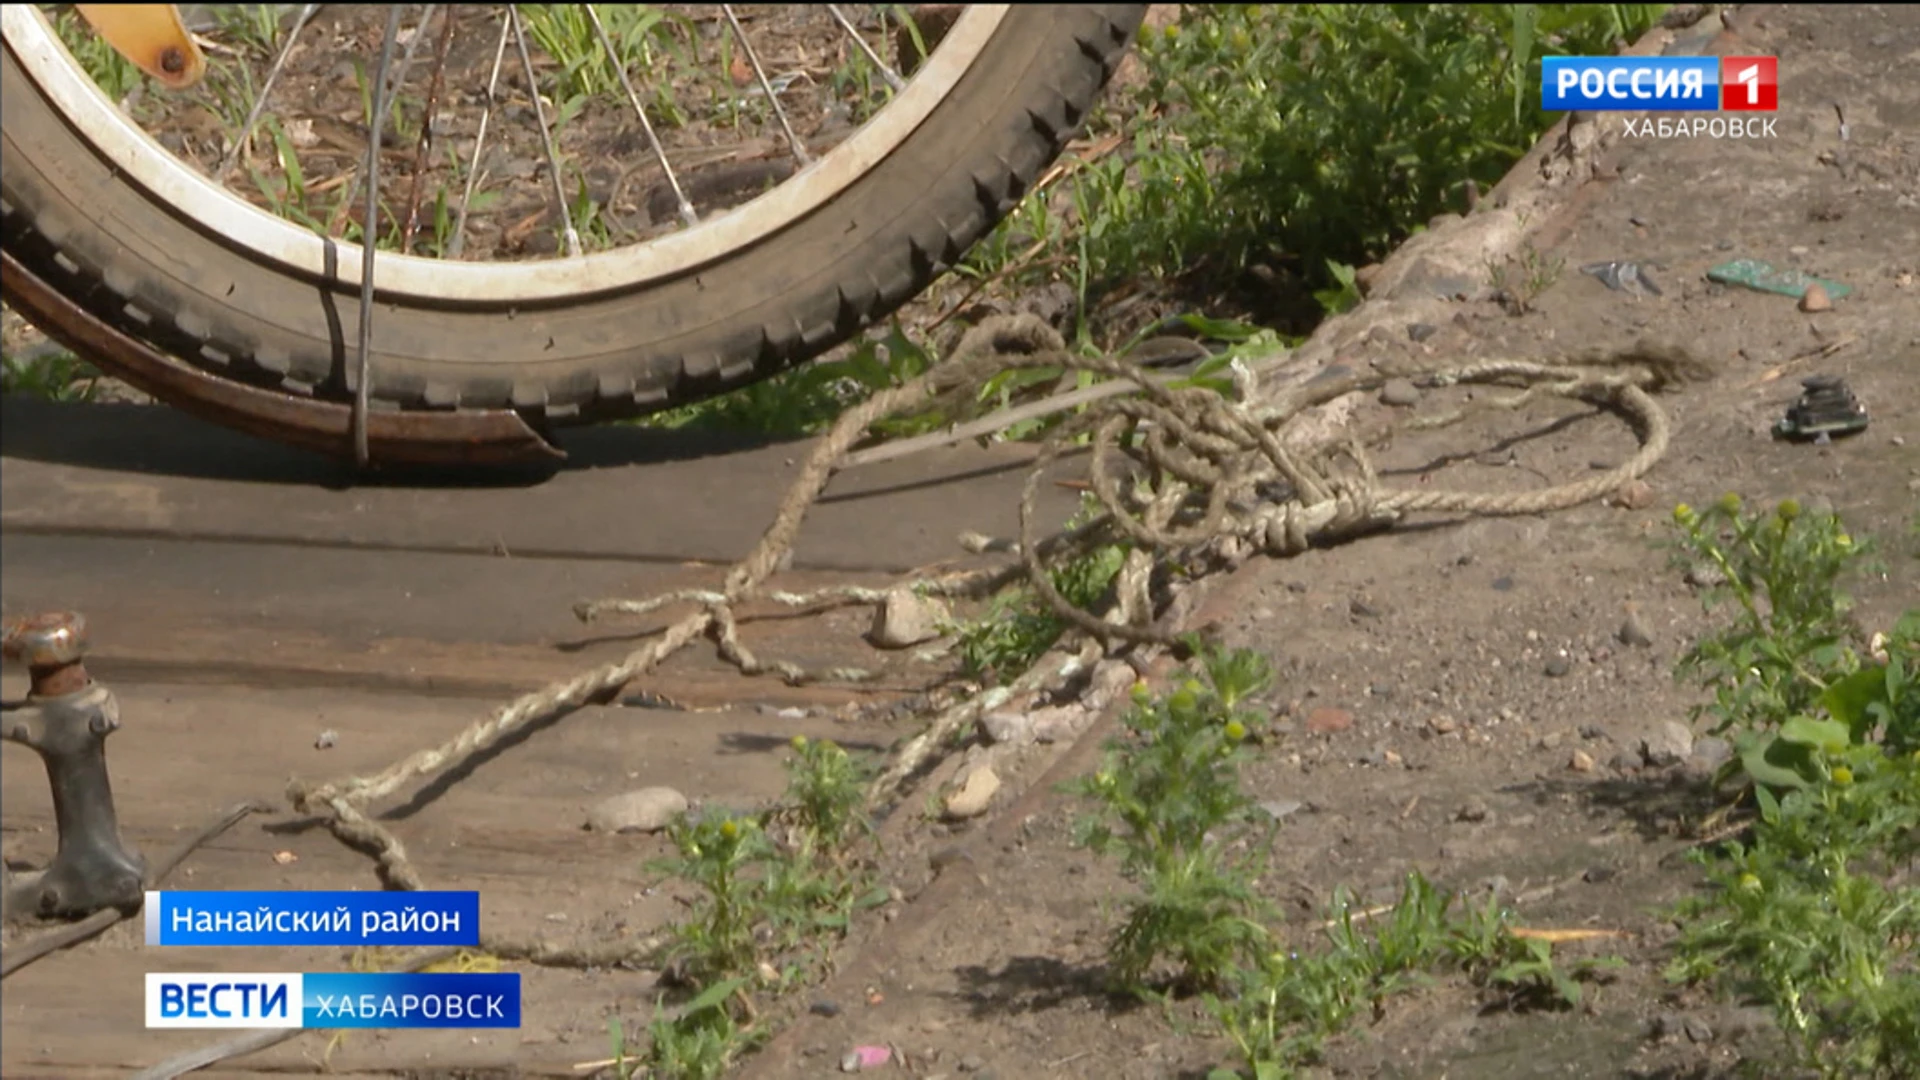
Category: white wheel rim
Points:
column 45, row 60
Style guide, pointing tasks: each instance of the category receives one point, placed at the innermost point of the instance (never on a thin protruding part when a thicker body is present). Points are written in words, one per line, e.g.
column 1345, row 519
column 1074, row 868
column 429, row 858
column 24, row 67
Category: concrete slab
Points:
column 278, row 615
column 626, row 494
column 511, row 827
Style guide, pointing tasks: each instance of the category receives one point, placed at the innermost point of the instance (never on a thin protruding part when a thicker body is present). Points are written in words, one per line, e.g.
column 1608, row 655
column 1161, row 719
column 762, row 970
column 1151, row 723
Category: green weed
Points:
column 1814, row 912
column 55, row 376
column 700, row 1040
column 1311, row 137
column 805, row 400
column 644, row 39
column 114, row 74
column 1172, row 808
column 1786, row 642
column 1018, row 626
column 1280, row 1010
column 775, row 889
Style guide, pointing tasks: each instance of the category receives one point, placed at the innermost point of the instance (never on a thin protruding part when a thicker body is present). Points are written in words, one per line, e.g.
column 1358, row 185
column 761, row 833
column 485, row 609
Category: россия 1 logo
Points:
column 1661, row 84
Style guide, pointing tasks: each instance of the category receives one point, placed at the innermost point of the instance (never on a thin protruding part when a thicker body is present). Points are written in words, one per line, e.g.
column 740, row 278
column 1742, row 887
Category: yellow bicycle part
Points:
column 152, row 38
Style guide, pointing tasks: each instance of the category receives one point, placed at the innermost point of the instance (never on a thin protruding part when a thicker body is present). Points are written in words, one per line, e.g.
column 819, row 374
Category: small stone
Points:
column 904, row 618
column 1632, row 495
column 1627, row 762
column 1421, row 331
column 1581, row 761
column 1281, row 809
column 646, row 810
column 1400, row 394
column 1815, row 299
column 1598, row 875
column 1503, row 584
column 326, row 740
column 1359, row 608
column 1326, row 720
column 1666, row 1025
column 1473, row 810
column 1558, row 665
column 1007, row 727
column 1060, row 723
column 1110, row 679
column 1592, row 731
column 1442, row 724
column 1696, row 1028
column 824, row 1007
column 974, row 794
column 1705, row 577
column 1711, row 752
column 1632, row 632
column 1670, row 744
column 972, row 1063
column 1392, row 757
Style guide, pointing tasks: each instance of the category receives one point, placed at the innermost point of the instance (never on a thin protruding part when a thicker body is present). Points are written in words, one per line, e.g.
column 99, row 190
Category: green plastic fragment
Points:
column 1765, row 277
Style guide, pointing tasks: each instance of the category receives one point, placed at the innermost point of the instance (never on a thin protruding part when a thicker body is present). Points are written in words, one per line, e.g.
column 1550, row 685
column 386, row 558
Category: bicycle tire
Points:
column 129, row 259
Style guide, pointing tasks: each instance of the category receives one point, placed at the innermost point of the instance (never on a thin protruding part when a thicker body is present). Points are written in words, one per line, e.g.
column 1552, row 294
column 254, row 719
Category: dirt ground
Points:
column 1492, row 728
column 1455, row 696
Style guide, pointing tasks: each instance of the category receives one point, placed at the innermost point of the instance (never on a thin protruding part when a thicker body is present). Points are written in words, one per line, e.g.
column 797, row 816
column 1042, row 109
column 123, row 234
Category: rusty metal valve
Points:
column 66, row 719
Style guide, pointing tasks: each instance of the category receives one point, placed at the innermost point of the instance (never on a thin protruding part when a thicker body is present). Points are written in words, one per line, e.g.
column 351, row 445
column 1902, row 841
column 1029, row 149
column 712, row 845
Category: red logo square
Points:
column 1750, row 83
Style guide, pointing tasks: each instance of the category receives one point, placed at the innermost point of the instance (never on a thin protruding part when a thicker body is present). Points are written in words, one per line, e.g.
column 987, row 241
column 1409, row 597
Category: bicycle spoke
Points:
column 266, row 88
column 894, row 82
column 378, row 121
column 546, row 133
column 702, row 149
column 411, row 220
column 459, row 241
column 687, row 212
column 369, row 237
column 759, row 72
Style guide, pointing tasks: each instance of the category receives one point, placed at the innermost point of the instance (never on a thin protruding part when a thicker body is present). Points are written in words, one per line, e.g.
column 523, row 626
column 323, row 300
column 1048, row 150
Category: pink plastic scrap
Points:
column 862, row 1058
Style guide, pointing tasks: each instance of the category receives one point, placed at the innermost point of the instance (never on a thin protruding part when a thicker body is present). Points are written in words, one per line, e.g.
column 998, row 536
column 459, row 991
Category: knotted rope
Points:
column 1174, row 468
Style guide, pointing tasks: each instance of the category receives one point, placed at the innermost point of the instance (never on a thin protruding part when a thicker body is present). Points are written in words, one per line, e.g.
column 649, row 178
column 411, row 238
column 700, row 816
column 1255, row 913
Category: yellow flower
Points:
column 799, row 742
column 1842, row 776
column 1141, row 692
column 729, row 829
column 1749, row 882
column 1730, row 503
column 1843, row 542
column 1788, row 509
column 1236, row 730
column 1683, row 514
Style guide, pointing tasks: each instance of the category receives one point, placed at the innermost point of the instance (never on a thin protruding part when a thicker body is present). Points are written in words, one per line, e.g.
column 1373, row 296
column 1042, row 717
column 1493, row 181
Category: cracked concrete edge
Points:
column 1427, row 278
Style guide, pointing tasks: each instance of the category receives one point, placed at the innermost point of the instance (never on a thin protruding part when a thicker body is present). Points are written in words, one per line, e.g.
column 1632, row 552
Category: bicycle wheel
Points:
column 126, row 230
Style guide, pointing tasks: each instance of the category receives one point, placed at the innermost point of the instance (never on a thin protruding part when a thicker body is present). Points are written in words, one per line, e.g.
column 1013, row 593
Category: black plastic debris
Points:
column 1623, row 276
column 1826, row 408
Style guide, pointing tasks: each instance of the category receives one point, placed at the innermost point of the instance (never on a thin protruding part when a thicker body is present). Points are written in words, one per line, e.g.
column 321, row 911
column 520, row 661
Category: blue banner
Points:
column 313, row 918
column 1630, row 83
column 333, row 1000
